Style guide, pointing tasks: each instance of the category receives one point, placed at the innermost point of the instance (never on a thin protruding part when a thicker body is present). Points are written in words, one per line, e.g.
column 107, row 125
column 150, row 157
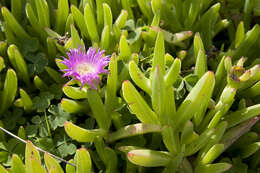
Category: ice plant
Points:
column 86, row 67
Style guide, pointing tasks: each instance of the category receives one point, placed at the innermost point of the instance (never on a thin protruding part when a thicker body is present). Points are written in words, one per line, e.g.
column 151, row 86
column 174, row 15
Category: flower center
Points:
column 84, row 68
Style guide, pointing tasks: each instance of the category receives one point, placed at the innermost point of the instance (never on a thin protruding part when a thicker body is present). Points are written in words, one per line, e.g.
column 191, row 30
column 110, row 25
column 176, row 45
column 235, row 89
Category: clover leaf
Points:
column 190, row 81
column 58, row 117
column 38, row 126
column 63, row 144
column 38, row 60
column 42, row 102
column 28, row 45
column 11, row 119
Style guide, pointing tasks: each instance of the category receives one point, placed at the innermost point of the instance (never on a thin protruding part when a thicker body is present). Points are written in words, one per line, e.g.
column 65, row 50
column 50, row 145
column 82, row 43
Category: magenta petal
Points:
column 86, row 66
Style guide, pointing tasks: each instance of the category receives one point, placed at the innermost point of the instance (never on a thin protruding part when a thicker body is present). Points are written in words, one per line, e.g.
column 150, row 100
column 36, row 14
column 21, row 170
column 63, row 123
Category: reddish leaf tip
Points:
column 129, row 154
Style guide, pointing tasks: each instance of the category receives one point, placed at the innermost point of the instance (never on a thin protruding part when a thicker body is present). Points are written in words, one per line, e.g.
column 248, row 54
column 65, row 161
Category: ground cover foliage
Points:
column 182, row 93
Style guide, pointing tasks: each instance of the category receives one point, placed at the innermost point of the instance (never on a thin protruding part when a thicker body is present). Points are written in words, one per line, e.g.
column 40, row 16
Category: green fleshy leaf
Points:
column 51, row 162
column 139, row 78
column 91, row 23
column 72, row 106
column 199, row 96
column 83, row 161
column 3, row 170
column 9, row 91
column 79, row 20
column 102, row 117
column 75, row 92
column 17, row 164
column 62, row 14
column 80, row 134
column 159, row 52
column 132, row 130
column 149, row 158
column 214, row 168
column 138, row 105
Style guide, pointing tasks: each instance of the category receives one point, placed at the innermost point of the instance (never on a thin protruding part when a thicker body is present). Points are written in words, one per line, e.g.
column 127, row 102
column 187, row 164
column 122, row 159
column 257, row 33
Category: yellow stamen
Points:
column 85, row 68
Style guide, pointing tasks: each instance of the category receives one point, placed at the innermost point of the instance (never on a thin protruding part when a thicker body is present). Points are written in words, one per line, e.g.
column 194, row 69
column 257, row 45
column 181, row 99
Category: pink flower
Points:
column 86, row 67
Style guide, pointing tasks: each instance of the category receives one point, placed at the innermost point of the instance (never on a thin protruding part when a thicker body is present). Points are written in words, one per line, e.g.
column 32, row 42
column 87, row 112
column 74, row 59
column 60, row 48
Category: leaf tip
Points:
column 190, row 33
column 82, row 149
column 211, row 73
column 66, row 123
column 130, row 155
column 125, row 82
